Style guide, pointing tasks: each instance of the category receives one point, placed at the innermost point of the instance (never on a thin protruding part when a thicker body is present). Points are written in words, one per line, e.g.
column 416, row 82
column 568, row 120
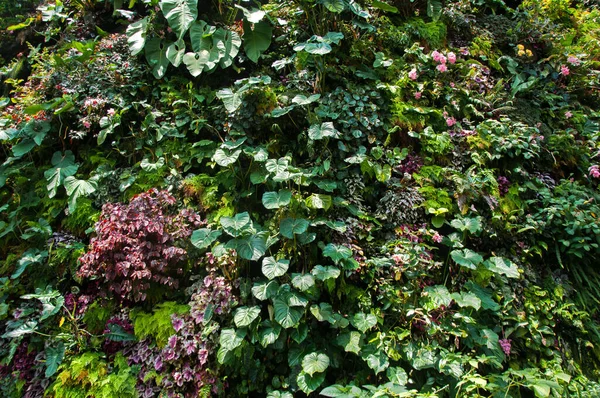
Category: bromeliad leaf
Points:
column 272, row 268
column 180, row 14
column 275, row 200
column 244, row 316
column 204, row 237
column 293, row 226
column 315, row 362
column 64, row 166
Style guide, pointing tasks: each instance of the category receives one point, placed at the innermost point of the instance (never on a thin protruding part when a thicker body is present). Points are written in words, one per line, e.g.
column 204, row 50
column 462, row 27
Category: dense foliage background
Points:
column 299, row 198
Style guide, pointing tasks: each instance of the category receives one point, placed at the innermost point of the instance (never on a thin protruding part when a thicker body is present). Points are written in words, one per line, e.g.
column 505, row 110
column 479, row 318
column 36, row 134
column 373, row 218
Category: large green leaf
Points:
column 286, row 315
column 231, row 339
column 180, row 14
column 156, row 55
column 272, row 268
column 337, row 252
column 325, row 130
column 136, row 35
column 438, row 294
column 54, row 356
column 467, row 299
column 232, row 43
column 466, row 258
column 244, row 316
column 195, row 62
column 293, row 226
column 63, row 166
column 256, row 40
column 51, row 300
column 319, row 201
column 323, row 273
column 23, row 329
column 204, row 237
column 225, row 157
column 252, row 247
column 268, row 333
column 308, row 383
column 265, row 290
column 236, row 225
column 31, row 256
column 77, row 188
column 503, row 266
column 363, row 322
column 315, row 362
column 303, row 282
column 175, row 52
column 335, row 6
column 350, row 341
column 274, row 200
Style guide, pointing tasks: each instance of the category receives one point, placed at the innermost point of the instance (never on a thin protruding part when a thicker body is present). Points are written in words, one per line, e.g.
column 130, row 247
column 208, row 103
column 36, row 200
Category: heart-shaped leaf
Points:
column 315, row 362
column 244, row 316
column 204, row 237
column 275, row 200
column 272, row 268
column 293, row 226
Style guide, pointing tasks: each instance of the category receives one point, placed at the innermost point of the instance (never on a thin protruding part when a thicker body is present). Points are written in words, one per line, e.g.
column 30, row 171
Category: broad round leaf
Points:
column 275, row 200
column 293, row 226
column 244, row 316
column 204, row 237
column 272, row 268
column 315, row 362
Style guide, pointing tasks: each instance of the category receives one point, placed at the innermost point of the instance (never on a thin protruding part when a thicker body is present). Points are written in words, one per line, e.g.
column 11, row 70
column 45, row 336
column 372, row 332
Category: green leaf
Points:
column 253, row 16
column 146, row 165
column 363, row 322
column 434, row 9
column 503, row 266
column 64, row 166
column 303, row 282
column 467, row 299
column 438, row 294
column 397, row 375
column 325, row 130
column 250, row 248
column 156, row 55
column 204, row 237
column 232, row 101
column 319, row 201
column 279, row 394
column 175, row 52
column 257, row 40
column 275, row 200
column 335, row 6
column 52, row 301
column 54, row 356
column 466, row 258
column 118, row 333
column 377, row 361
column 293, row 226
column 23, row 329
column 31, row 256
column 485, row 295
column 315, row 362
column 286, row 315
column 384, row 6
column 23, row 147
column 265, row 290
column 308, row 383
column 323, row 312
column 77, row 188
column 268, row 333
column 272, row 268
column 303, row 100
column 231, row 339
column 473, row 225
column 136, row 36
column 337, row 252
column 541, row 390
column 180, row 14
column 232, row 43
column 195, row 62
column 323, row 273
column 224, row 157
column 350, row 341
column 244, row 316
column 236, row 225
column 337, row 390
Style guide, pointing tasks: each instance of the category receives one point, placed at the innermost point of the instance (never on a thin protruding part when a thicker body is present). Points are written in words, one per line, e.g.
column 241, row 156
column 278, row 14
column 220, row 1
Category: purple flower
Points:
column 506, row 345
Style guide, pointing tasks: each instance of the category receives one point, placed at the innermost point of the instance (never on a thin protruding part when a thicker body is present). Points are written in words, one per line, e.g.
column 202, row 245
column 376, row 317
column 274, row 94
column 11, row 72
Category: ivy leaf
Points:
column 257, row 40
column 363, row 322
column 272, row 268
column 315, row 362
column 323, row 273
column 64, row 166
column 136, row 36
column 325, row 130
column 293, row 226
column 224, row 157
column 350, row 341
column 303, row 282
column 286, row 315
column 77, row 188
column 466, row 258
column 204, row 237
column 231, row 339
column 54, row 356
column 236, row 225
column 503, row 266
column 268, row 333
column 180, row 14
column 308, row 383
column 244, row 316
column 275, row 200
column 397, row 375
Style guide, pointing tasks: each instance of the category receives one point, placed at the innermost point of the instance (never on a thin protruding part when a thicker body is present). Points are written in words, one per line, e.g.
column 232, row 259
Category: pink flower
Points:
column 412, row 74
column 442, row 68
column 418, row 95
column 451, row 58
column 442, row 59
column 111, row 112
column 506, row 345
column 594, row 171
column 436, row 56
column 437, row 238
column 87, row 124
column 564, row 70
column 450, row 121
column 452, row 85
column 568, row 114
column 574, row 61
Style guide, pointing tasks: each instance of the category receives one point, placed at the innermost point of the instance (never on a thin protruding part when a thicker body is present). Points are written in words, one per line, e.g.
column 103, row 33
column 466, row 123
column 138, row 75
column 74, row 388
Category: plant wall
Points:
column 288, row 198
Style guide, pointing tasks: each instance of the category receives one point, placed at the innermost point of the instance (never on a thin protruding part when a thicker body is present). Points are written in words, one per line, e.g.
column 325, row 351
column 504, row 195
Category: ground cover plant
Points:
column 288, row 198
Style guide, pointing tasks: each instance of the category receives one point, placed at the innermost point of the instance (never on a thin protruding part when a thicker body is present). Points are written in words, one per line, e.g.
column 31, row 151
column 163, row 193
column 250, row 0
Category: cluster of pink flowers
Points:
column 441, row 59
column 450, row 121
column 413, row 74
column 574, row 61
column 418, row 94
column 564, row 70
column 594, row 171
column 506, row 345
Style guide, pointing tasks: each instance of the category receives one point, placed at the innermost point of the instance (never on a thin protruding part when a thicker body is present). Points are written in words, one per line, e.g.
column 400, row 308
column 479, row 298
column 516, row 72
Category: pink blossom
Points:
column 452, row 85
column 437, row 238
column 442, row 68
column 594, row 171
column 111, row 112
column 412, row 74
column 451, row 58
column 87, row 124
column 442, row 59
column 506, row 345
column 564, row 70
column 450, row 121
column 568, row 114
column 418, row 95
column 436, row 56
column 574, row 61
